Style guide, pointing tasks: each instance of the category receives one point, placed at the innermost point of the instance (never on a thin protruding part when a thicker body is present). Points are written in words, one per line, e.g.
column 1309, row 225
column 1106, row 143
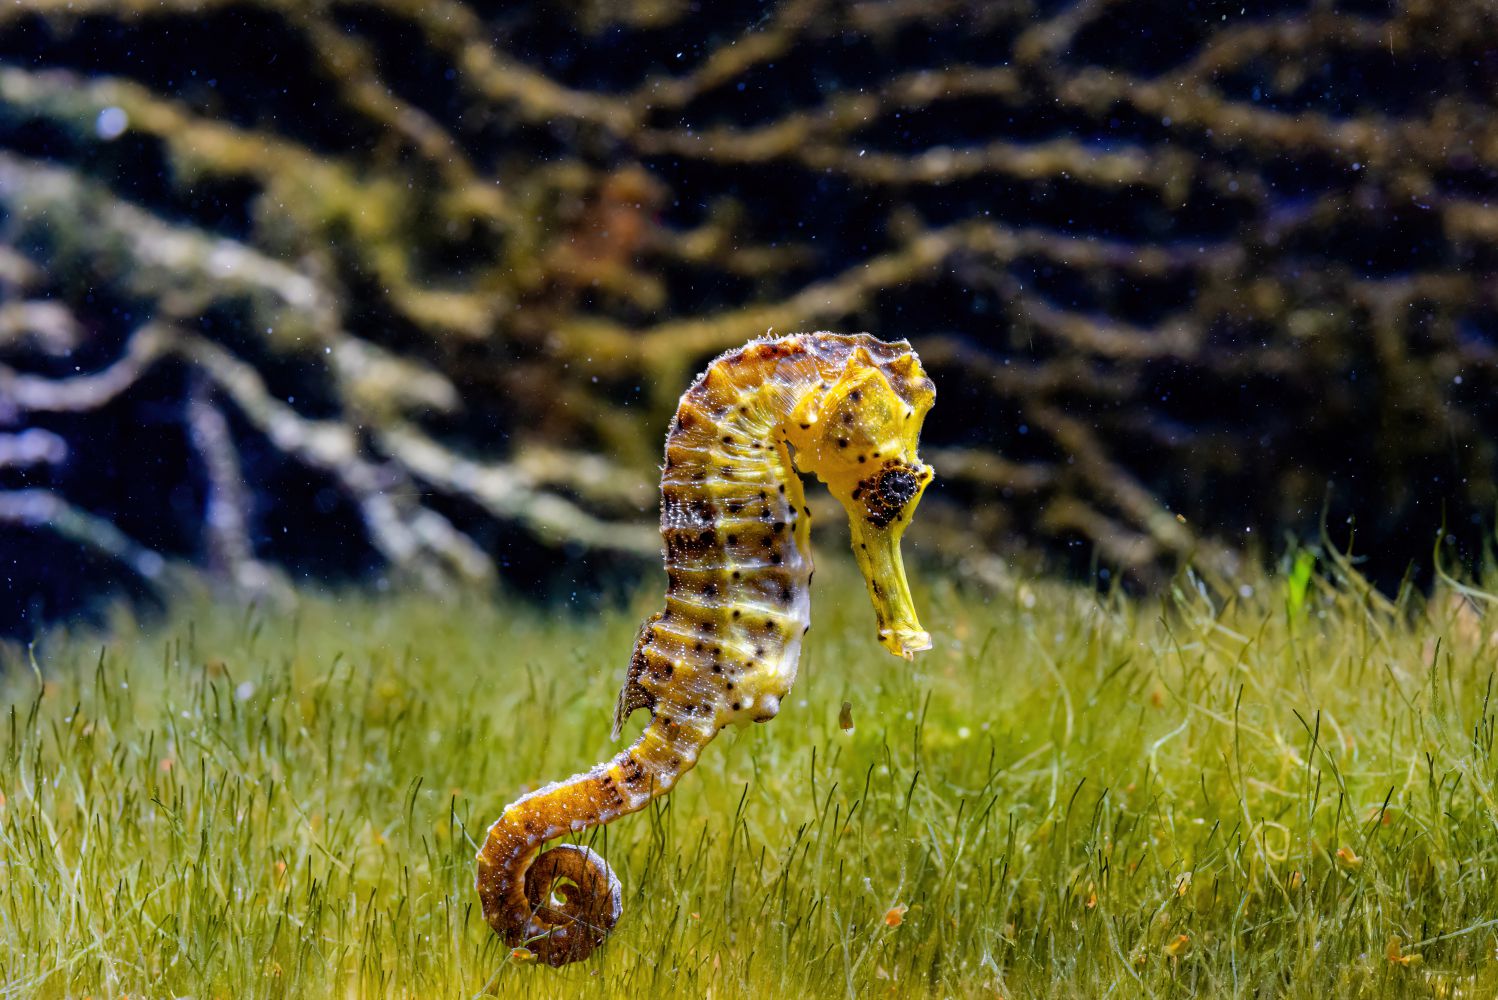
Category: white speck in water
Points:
column 964, row 732
column 245, row 691
column 1245, row 591
column 111, row 123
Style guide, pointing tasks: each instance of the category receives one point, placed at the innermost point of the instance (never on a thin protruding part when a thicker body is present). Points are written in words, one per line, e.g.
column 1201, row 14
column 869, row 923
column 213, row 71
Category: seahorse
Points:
column 737, row 536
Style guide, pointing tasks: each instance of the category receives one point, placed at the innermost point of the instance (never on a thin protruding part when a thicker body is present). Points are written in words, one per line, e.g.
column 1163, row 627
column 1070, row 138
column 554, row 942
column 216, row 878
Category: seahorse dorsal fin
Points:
column 633, row 695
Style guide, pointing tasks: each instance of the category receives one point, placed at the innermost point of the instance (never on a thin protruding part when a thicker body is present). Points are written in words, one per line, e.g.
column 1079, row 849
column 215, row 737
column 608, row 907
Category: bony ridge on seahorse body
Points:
column 738, row 559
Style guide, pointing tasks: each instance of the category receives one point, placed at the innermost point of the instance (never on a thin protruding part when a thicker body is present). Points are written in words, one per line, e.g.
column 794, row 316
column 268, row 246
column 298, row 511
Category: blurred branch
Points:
column 507, row 492
column 20, row 393
column 226, row 517
column 32, row 447
column 43, row 510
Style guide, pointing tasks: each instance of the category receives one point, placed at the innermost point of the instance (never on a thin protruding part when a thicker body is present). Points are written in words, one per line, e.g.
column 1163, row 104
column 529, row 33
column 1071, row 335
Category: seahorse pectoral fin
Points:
column 877, row 550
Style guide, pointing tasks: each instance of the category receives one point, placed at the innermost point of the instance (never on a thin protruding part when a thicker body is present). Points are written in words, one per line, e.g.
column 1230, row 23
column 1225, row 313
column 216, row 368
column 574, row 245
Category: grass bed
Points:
column 1287, row 791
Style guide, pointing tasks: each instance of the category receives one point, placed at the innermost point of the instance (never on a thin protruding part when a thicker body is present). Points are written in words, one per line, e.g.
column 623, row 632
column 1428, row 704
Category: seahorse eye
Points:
column 897, row 486
column 886, row 497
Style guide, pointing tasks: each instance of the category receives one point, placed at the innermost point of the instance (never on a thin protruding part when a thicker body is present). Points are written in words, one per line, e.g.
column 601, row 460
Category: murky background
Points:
column 398, row 291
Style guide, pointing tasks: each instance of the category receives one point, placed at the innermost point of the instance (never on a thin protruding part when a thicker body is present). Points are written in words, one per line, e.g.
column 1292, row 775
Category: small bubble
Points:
column 111, row 123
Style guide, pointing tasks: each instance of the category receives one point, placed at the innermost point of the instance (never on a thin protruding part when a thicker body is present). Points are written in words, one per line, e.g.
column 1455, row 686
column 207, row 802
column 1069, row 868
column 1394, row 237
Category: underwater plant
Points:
column 737, row 536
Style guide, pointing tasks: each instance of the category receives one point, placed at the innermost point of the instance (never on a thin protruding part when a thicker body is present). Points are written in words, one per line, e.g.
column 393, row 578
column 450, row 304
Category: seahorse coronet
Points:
column 736, row 535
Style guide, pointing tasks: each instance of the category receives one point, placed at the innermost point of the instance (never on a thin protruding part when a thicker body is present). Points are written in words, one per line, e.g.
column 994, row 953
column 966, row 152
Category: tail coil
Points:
column 571, row 901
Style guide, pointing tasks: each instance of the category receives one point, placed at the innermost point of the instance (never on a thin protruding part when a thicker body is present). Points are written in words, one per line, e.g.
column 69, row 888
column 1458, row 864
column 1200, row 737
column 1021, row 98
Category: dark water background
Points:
column 389, row 291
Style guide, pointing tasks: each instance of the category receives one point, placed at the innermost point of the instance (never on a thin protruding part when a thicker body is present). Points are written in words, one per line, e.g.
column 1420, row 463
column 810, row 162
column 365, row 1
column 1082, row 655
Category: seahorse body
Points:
column 738, row 560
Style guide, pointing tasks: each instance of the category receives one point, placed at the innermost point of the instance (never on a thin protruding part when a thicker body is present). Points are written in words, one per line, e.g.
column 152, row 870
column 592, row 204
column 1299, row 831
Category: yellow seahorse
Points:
column 738, row 558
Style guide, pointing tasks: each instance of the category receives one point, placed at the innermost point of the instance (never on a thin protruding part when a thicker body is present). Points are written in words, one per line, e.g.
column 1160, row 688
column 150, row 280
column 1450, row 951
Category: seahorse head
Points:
column 859, row 436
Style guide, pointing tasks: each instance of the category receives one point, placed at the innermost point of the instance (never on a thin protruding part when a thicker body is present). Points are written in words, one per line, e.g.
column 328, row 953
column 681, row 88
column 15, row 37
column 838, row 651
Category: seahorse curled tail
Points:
column 562, row 903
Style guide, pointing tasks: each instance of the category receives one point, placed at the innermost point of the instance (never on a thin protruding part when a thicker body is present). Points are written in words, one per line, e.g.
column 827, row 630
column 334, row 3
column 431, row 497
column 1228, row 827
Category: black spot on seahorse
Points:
column 689, row 542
